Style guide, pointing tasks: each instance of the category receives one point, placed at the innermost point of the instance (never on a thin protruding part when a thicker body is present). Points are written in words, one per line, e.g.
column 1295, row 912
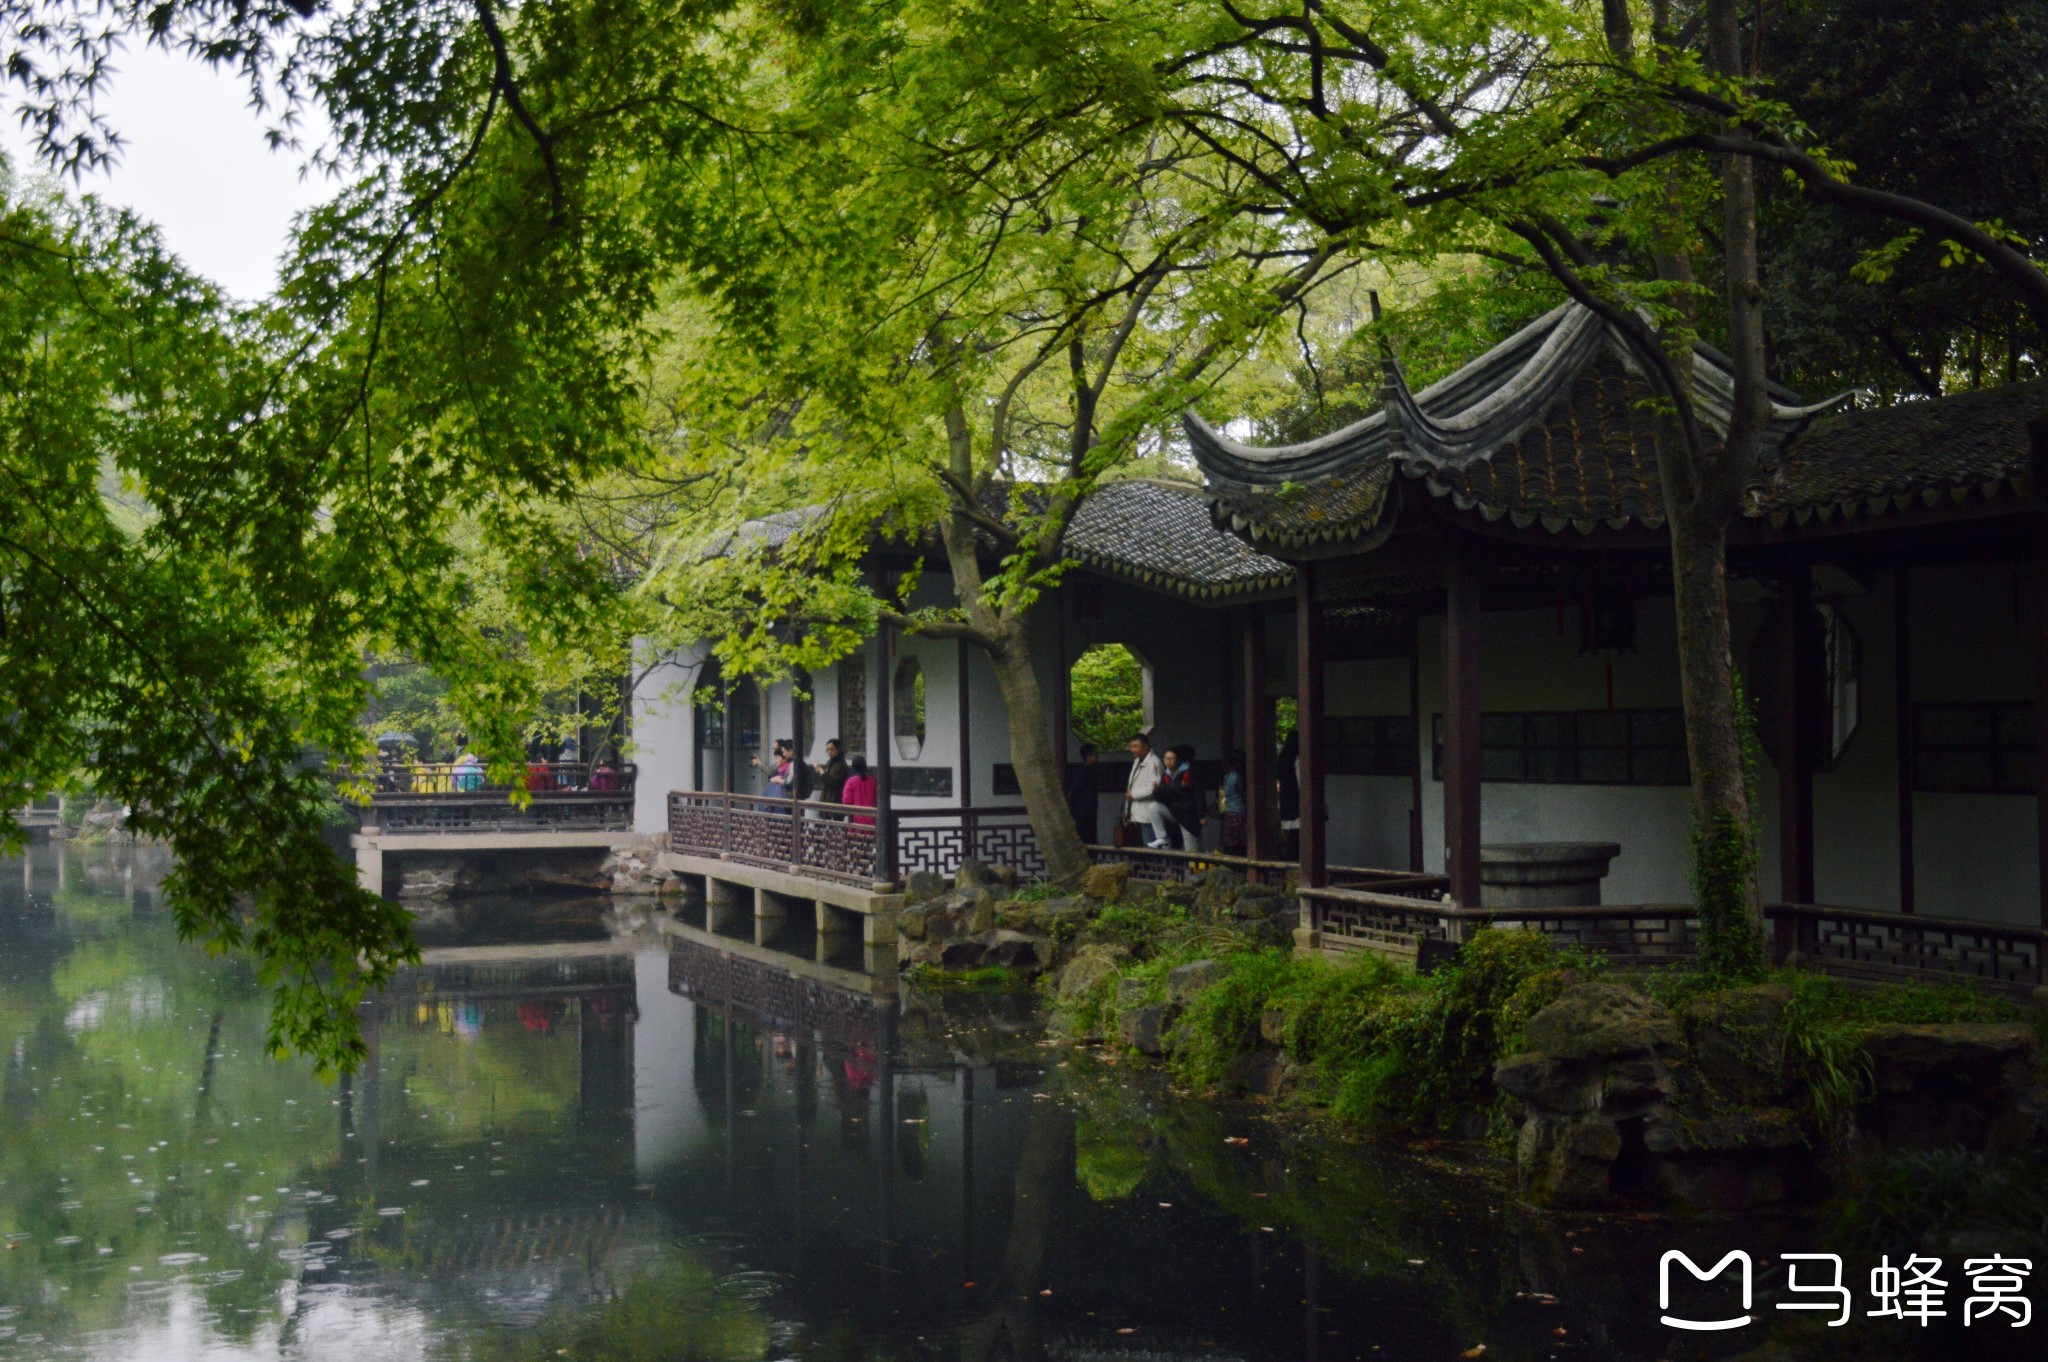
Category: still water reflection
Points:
column 590, row 1135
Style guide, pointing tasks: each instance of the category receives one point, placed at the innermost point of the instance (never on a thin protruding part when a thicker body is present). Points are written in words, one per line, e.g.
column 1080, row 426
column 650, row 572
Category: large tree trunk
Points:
column 1040, row 770
column 1724, row 840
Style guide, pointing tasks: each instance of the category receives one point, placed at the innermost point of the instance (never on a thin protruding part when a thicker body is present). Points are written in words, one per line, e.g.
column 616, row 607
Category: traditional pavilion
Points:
column 1466, row 596
column 1508, row 523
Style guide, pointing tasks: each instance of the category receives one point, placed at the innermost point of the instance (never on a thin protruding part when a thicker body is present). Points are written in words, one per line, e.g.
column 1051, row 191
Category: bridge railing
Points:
column 838, row 841
column 801, row 836
column 446, row 797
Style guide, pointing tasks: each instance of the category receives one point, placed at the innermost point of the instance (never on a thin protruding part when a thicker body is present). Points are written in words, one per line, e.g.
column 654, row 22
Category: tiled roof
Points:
column 1889, row 458
column 1161, row 535
column 1547, row 428
column 1157, row 534
column 1591, row 460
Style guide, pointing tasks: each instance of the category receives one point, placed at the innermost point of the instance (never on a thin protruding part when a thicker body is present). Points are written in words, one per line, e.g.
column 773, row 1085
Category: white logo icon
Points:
column 1707, row 1275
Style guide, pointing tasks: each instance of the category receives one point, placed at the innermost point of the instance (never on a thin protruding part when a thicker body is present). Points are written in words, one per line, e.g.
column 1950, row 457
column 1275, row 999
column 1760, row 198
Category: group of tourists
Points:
column 398, row 772
column 1165, row 805
column 839, row 779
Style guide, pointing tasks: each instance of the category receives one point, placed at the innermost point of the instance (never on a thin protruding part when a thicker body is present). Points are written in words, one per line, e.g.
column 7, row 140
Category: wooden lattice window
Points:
column 1579, row 747
column 853, row 704
column 1369, row 745
column 1984, row 748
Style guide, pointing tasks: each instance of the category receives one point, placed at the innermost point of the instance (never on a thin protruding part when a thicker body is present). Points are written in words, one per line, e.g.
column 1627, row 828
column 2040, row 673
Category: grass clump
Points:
column 1826, row 1019
column 979, row 979
column 1375, row 1043
column 1913, row 1198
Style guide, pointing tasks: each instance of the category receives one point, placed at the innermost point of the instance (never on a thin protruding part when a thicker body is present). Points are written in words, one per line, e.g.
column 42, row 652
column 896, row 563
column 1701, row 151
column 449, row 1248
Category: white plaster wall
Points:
column 1368, row 823
column 1973, row 857
column 1855, row 806
column 1974, row 854
column 663, row 738
column 939, row 658
column 1525, row 663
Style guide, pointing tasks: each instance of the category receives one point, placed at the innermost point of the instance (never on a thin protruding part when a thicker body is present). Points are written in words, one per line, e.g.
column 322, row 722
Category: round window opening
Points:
column 1109, row 696
column 909, row 707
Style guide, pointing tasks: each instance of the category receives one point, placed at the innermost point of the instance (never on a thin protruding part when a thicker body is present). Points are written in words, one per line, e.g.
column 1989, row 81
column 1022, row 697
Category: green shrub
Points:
column 1222, row 1021
column 1137, row 927
column 1439, row 1039
column 1377, row 1044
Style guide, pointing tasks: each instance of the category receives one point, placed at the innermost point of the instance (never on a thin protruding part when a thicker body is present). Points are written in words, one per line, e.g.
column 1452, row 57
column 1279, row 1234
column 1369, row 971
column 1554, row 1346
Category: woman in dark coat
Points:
column 1289, row 781
column 1183, row 798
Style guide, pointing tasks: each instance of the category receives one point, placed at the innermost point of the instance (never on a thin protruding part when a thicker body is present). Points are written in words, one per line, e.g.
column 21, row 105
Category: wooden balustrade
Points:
column 829, row 841
column 446, row 797
column 1847, row 942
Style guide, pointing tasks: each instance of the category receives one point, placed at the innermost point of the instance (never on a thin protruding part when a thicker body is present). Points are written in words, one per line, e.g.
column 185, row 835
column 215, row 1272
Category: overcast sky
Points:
column 196, row 164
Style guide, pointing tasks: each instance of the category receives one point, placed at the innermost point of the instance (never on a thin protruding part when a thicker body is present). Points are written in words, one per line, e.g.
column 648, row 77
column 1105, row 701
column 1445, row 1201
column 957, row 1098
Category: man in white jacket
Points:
column 1140, row 787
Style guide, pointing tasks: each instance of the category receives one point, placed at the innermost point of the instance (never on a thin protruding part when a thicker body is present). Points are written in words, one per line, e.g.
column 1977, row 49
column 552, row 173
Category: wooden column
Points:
column 1796, row 718
column 1902, row 703
column 1063, row 684
column 1227, row 733
column 1262, row 828
column 1461, row 726
column 800, row 757
column 966, row 733
column 731, row 730
column 885, row 755
column 1308, row 642
column 1415, row 748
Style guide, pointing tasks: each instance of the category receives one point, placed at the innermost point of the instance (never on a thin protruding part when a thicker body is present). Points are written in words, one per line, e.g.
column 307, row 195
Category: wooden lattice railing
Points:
column 828, row 841
column 837, row 842
column 1849, row 942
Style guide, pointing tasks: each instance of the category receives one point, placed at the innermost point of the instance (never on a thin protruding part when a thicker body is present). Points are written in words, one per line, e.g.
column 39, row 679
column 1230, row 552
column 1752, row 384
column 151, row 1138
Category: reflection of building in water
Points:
column 485, row 1154
column 871, row 1159
column 553, row 1122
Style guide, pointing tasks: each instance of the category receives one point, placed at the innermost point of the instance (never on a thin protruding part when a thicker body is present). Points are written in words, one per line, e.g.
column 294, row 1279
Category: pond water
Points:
column 591, row 1133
